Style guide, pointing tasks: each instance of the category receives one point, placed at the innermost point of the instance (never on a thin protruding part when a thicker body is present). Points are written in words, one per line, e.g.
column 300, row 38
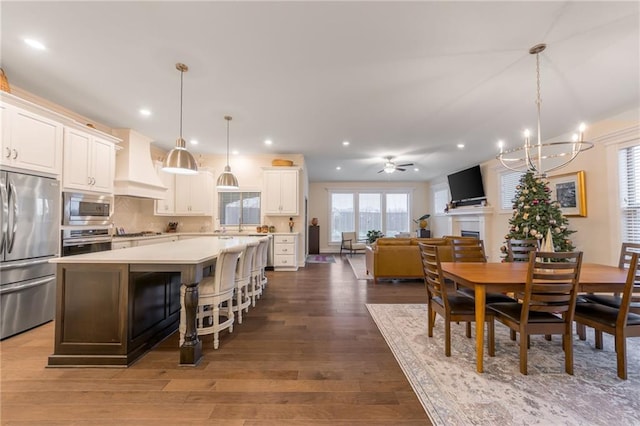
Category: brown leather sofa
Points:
column 400, row 257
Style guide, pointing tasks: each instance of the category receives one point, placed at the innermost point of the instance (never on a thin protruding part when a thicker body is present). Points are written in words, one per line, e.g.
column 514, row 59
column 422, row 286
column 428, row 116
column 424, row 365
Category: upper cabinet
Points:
column 30, row 141
column 166, row 206
column 281, row 191
column 89, row 162
column 187, row 195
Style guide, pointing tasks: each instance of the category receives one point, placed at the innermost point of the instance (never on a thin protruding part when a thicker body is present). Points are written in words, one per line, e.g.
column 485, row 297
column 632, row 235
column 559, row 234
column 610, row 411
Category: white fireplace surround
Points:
column 472, row 219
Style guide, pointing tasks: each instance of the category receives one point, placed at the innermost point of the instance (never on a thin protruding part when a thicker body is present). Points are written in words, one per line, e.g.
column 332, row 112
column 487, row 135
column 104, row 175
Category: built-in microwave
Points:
column 87, row 209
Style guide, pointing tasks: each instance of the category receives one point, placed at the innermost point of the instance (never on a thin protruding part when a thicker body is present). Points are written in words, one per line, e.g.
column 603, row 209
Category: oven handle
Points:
column 82, row 241
column 12, row 288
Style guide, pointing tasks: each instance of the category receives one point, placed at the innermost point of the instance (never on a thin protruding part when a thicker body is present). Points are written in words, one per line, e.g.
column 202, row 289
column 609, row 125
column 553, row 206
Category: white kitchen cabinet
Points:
column 117, row 245
column 167, row 206
column 30, row 141
column 157, row 240
column 281, row 192
column 89, row 162
column 285, row 248
column 194, row 194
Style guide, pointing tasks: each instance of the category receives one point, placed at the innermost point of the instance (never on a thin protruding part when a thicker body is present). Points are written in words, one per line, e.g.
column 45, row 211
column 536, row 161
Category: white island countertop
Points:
column 190, row 251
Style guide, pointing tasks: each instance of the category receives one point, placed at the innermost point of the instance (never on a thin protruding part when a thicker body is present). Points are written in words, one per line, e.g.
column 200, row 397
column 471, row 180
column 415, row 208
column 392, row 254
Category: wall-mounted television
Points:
column 466, row 187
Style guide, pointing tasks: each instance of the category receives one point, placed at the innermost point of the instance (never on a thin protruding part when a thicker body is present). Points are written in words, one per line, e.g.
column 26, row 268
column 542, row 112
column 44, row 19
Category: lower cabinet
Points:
column 115, row 245
column 285, row 249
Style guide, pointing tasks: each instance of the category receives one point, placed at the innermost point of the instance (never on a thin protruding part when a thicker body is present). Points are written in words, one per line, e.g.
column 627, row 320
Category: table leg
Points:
column 191, row 348
column 480, row 295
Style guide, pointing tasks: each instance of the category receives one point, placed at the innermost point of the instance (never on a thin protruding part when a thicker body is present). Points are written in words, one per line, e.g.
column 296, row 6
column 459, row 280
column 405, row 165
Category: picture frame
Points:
column 569, row 190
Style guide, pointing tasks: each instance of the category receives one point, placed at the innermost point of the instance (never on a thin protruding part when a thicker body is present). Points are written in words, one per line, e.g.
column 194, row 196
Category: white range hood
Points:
column 135, row 174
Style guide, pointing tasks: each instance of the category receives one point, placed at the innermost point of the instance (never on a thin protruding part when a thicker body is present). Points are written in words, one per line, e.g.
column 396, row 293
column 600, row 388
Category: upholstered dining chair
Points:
column 215, row 297
column 518, row 250
column 548, row 302
column 445, row 301
column 617, row 321
column 256, row 283
column 244, row 285
column 350, row 242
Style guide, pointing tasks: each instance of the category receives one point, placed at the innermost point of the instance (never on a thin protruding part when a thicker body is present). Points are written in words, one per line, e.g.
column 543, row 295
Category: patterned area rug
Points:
column 320, row 258
column 452, row 393
column 358, row 266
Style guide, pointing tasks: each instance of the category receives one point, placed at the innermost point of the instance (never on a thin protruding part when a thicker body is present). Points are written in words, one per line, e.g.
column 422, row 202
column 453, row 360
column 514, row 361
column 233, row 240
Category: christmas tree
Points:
column 534, row 213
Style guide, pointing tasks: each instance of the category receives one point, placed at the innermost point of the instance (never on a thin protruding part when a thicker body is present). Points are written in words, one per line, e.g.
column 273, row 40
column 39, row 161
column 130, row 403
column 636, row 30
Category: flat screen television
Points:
column 466, row 187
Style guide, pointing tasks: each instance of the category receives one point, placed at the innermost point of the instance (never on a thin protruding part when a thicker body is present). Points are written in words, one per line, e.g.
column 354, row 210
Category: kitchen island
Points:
column 113, row 306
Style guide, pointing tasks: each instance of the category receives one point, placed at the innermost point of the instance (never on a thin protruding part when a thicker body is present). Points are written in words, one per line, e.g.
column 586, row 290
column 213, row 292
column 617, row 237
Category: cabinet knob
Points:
column 285, row 250
column 15, row 154
column 8, row 152
column 88, row 180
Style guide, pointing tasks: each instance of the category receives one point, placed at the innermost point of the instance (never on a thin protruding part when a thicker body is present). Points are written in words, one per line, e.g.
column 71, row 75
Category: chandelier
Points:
column 541, row 158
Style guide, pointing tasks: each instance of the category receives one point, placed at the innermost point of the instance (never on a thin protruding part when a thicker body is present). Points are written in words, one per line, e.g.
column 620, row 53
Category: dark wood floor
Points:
column 308, row 353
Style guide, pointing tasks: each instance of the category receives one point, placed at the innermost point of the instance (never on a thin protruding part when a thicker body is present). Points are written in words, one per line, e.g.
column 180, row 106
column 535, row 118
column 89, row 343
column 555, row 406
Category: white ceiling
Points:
column 407, row 79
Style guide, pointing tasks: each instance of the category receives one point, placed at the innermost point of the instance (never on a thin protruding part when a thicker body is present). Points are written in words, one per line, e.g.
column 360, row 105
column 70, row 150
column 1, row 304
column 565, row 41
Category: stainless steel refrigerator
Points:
column 30, row 220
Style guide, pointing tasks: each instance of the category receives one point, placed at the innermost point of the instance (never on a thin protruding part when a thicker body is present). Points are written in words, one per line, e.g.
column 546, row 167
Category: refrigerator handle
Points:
column 11, row 235
column 5, row 216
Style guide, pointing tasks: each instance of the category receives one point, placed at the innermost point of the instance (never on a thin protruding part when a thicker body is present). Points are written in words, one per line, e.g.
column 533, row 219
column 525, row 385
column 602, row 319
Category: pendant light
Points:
column 227, row 180
column 179, row 160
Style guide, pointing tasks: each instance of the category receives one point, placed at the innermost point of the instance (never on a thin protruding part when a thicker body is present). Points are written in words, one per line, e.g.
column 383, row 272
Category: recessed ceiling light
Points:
column 460, row 145
column 415, row 169
column 145, row 112
column 193, row 142
column 338, row 168
column 345, row 143
column 35, row 44
column 268, row 142
column 235, row 152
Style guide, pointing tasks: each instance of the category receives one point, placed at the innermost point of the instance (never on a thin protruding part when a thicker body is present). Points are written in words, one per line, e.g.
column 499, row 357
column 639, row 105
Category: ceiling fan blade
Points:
column 401, row 170
column 381, row 171
column 405, row 165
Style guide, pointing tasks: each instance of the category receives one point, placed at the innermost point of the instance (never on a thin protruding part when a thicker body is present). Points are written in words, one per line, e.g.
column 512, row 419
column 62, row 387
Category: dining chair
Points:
column 614, row 300
column 215, row 298
column 256, row 284
column 244, row 285
column 617, row 321
column 548, row 302
column 518, row 249
column 445, row 301
column 350, row 242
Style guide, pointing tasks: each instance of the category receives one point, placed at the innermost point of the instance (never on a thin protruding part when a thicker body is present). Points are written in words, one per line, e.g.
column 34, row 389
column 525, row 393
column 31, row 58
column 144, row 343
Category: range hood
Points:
column 135, row 174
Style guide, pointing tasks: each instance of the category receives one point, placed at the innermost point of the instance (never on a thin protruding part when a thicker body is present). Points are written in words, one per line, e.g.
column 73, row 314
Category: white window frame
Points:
column 508, row 180
column 440, row 192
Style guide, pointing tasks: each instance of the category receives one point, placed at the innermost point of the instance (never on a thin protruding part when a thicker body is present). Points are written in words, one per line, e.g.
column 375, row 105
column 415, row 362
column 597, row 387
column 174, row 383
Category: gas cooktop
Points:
column 138, row 234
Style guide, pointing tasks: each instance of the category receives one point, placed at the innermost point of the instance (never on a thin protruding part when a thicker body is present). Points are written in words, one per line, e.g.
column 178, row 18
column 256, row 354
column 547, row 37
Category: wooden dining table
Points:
column 507, row 277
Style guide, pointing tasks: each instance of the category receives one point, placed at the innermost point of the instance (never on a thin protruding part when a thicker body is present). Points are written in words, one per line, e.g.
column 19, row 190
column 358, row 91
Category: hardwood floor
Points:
column 307, row 354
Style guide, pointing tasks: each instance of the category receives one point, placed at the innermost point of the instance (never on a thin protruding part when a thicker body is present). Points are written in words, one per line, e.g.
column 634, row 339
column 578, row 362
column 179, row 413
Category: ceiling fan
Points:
column 390, row 166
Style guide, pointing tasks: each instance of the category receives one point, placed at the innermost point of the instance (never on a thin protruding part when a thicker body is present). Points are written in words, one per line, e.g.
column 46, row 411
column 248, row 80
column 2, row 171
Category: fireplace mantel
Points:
column 460, row 211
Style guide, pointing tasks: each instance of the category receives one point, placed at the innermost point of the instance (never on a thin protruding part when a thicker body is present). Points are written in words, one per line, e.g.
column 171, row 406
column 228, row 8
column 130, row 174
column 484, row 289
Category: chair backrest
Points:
column 226, row 262
column 633, row 280
column 349, row 238
column 260, row 254
column 626, row 251
column 243, row 271
column 432, row 270
column 518, row 250
column 265, row 251
column 467, row 250
column 552, row 283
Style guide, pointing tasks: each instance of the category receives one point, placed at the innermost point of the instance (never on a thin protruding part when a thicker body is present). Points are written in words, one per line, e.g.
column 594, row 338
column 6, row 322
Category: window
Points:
column 440, row 200
column 508, row 183
column 363, row 211
column 629, row 165
column 239, row 208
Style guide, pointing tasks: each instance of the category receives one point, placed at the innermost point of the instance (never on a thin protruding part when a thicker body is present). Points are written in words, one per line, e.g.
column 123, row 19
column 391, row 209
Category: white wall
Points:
column 319, row 202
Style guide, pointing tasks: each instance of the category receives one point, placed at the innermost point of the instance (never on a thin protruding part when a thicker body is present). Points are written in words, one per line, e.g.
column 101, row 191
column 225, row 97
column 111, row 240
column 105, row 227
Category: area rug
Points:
column 320, row 258
column 452, row 393
column 358, row 266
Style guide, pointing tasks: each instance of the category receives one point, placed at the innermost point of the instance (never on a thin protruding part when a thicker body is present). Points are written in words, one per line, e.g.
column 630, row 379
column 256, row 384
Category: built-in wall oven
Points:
column 85, row 240
column 86, row 209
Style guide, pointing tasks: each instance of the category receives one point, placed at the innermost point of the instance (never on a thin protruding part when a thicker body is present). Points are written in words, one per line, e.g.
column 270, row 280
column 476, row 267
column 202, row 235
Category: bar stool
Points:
column 243, row 280
column 215, row 297
column 257, row 270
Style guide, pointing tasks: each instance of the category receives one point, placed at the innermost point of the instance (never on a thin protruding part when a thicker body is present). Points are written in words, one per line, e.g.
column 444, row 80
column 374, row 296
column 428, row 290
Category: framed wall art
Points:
column 569, row 190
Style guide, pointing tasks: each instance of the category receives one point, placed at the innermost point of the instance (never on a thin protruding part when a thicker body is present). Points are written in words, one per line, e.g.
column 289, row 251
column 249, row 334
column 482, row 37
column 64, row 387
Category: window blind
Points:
column 629, row 166
column 508, row 183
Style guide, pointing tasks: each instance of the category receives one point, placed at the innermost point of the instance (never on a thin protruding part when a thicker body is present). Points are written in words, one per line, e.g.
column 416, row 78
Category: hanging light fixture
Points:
column 541, row 158
column 179, row 160
column 227, row 180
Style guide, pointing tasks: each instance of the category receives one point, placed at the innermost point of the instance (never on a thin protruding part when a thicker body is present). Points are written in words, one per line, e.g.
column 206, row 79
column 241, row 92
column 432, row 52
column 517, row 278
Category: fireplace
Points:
column 474, row 234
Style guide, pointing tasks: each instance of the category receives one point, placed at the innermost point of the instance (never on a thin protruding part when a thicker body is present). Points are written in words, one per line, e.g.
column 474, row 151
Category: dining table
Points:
column 505, row 277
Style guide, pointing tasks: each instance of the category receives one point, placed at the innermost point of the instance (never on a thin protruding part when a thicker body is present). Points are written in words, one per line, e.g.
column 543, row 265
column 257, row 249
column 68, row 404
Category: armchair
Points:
column 350, row 242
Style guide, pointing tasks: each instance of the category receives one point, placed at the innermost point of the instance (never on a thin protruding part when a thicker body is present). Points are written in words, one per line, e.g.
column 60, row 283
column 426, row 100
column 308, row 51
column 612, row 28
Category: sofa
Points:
column 400, row 257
